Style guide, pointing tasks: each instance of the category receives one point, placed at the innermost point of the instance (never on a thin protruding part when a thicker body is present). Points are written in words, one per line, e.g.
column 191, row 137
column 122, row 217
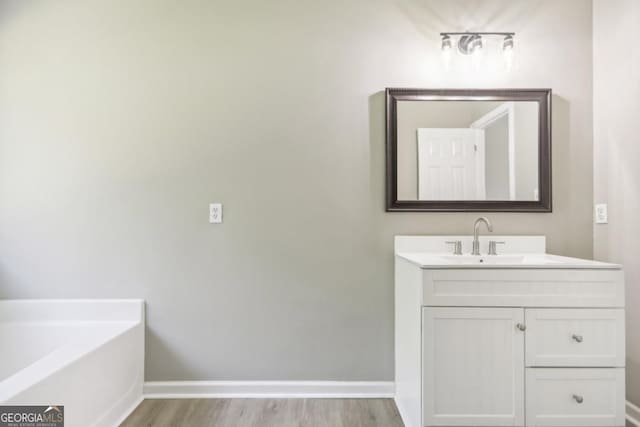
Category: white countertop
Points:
column 511, row 261
column 514, row 252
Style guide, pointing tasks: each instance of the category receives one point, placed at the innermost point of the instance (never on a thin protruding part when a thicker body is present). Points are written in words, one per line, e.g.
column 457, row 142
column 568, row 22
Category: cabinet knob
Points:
column 578, row 398
column 577, row 338
column 521, row 327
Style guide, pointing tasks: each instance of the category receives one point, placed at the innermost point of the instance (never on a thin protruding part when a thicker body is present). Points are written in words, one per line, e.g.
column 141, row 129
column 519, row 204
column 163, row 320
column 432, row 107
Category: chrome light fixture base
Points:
column 471, row 42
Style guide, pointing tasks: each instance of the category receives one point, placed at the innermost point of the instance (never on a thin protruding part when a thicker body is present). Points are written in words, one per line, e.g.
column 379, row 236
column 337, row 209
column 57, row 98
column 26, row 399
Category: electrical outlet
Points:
column 601, row 214
column 215, row 213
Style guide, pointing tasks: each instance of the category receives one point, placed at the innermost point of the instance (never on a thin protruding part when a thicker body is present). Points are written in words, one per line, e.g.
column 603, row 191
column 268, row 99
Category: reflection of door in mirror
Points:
column 498, row 125
column 451, row 164
column 489, row 154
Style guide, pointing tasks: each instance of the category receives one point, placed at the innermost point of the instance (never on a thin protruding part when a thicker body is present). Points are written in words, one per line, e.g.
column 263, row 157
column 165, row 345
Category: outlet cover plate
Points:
column 601, row 214
column 215, row 213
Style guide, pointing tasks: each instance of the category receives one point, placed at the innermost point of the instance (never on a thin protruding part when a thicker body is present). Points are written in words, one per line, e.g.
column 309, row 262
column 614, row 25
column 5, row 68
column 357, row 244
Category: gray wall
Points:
column 497, row 159
column 526, row 154
column 121, row 120
column 617, row 153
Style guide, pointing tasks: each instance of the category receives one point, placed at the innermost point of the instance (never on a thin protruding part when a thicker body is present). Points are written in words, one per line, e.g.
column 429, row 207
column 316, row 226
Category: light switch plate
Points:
column 215, row 213
column 601, row 214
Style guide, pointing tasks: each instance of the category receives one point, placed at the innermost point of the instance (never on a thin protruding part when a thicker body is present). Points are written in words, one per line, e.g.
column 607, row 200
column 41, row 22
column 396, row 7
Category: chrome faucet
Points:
column 476, row 230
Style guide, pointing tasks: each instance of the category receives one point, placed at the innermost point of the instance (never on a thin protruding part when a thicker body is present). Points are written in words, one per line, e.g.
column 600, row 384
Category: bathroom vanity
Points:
column 521, row 338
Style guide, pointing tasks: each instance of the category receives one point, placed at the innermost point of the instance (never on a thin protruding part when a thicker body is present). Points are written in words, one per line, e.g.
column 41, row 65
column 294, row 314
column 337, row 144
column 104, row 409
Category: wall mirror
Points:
column 454, row 150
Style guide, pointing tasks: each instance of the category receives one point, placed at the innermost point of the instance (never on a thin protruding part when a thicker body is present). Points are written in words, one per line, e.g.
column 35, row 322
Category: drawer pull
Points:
column 578, row 398
column 521, row 327
column 577, row 338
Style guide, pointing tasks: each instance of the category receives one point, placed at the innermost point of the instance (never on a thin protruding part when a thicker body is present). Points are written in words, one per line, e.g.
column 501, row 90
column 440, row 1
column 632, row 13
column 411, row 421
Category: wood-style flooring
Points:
column 265, row 413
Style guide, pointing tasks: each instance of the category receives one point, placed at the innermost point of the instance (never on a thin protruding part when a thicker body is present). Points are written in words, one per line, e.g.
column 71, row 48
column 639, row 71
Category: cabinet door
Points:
column 473, row 367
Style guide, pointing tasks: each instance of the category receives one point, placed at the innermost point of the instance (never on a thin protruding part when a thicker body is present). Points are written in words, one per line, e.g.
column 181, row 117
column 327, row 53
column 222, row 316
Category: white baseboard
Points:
column 633, row 414
column 268, row 389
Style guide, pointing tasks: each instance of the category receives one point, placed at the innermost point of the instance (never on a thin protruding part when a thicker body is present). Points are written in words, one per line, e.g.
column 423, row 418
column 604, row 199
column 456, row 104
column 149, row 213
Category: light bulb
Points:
column 446, row 42
column 476, row 44
column 507, row 52
column 507, row 43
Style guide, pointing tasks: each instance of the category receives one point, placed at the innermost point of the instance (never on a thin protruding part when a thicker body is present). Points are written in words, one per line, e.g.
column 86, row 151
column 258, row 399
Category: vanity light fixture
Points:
column 472, row 42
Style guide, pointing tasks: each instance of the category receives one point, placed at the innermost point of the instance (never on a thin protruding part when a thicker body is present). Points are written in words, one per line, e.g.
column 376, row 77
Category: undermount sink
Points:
column 520, row 261
column 520, row 252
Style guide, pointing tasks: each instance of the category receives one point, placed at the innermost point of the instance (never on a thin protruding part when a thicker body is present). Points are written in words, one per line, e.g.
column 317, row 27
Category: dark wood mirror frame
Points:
column 541, row 96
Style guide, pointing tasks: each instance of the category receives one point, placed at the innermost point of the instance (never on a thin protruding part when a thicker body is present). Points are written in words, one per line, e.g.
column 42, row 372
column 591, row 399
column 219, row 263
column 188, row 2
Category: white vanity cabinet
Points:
column 534, row 342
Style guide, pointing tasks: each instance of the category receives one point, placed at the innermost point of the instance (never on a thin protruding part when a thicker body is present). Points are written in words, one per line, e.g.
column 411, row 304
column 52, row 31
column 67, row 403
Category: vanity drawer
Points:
column 575, row 397
column 575, row 338
column 523, row 288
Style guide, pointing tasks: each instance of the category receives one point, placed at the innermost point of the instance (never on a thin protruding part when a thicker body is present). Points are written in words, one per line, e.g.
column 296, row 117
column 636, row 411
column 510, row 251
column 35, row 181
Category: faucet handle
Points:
column 492, row 247
column 457, row 246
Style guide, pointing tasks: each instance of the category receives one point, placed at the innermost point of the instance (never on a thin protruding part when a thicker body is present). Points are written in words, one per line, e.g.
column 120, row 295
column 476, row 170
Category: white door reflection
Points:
column 451, row 164
column 471, row 151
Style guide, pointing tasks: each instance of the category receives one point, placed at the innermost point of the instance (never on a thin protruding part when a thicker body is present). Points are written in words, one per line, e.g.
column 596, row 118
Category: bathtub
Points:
column 87, row 355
